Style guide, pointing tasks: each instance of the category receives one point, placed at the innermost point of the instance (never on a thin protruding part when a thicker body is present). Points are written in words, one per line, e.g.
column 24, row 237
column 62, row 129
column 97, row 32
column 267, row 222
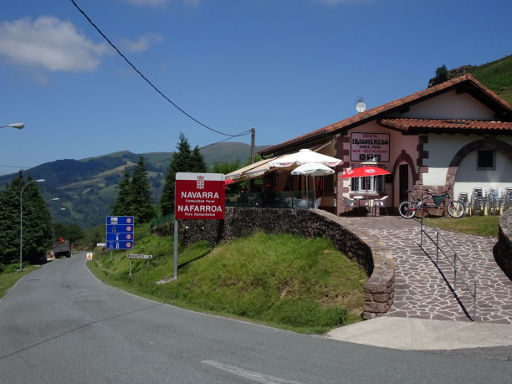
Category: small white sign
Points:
column 89, row 256
column 101, row 244
column 139, row 256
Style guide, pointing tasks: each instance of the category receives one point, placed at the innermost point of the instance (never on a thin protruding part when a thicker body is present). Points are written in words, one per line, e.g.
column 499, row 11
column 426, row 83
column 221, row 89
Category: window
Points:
column 372, row 184
column 486, row 160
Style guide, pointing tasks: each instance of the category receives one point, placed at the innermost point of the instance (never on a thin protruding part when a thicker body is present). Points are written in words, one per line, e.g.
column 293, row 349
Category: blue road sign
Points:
column 120, row 220
column 119, row 237
column 119, row 245
column 120, row 232
column 119, row 228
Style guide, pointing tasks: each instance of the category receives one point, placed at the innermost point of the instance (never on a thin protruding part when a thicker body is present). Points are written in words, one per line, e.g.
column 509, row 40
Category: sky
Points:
column 284, row 67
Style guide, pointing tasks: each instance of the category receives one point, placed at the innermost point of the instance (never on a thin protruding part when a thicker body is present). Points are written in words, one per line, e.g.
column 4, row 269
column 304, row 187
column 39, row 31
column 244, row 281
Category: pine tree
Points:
column 123, row 205
column 181, row 162
column 197, row 161
column 142, row 202
column 36, row 222
column 10, row 222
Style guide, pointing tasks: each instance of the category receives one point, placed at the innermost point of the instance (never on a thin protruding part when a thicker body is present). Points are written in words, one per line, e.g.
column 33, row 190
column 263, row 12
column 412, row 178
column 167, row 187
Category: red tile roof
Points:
column 395, row 105
column 448, row 125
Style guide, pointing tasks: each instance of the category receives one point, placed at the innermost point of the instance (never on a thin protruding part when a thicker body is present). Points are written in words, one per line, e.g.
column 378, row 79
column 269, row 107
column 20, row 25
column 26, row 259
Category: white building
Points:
column 454, row 136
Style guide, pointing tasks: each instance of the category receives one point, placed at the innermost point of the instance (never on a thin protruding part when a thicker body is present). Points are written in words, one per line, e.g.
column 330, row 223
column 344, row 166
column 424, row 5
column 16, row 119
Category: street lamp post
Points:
column 21, row 218
column 14, row 125
column 53, row 226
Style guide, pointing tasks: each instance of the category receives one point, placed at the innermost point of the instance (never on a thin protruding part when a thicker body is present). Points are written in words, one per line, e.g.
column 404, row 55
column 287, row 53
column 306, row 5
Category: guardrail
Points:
column 162, row 220
column 453, row 260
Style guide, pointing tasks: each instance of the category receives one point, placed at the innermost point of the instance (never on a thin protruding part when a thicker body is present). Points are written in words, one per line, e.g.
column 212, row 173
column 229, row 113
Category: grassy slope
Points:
column 281, row 280
column 9, row 277
column 497, row 76
column 474, row 225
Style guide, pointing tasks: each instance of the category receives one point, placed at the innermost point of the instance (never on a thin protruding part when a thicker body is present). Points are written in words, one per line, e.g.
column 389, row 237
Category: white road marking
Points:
column 251, row 375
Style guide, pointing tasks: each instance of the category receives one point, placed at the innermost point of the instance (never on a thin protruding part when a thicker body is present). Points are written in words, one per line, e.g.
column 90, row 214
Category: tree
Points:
column 225, row 167
column 71, row 232
column 142, row 202
column 197, row 161
column 10, row 223
column 122, row 206
column 36, row 222
column 180, row 162
column 441, row 76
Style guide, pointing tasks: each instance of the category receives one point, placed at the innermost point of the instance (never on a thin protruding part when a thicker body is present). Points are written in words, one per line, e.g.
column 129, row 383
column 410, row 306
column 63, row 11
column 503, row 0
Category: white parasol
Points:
column 313, row 169
column 305, row 156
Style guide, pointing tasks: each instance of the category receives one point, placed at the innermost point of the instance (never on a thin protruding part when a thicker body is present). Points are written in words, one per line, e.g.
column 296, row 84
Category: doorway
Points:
column 403, row 174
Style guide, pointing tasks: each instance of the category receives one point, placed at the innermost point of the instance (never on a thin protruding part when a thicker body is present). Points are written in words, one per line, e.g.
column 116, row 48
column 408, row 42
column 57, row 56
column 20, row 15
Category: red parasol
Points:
column 228, row 181
column 365, row 172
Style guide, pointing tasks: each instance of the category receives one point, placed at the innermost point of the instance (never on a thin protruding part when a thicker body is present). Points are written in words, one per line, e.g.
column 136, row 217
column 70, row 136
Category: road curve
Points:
column 61, row 325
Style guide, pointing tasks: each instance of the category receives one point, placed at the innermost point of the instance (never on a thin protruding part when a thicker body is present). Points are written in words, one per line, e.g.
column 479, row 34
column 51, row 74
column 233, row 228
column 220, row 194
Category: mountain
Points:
column 88, row 187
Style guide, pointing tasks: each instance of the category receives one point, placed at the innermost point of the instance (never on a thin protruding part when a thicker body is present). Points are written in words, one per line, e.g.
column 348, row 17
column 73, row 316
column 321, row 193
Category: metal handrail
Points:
column 453, row 264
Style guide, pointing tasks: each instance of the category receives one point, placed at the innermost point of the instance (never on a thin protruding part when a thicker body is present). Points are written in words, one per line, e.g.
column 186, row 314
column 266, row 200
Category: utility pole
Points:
column 253, row 134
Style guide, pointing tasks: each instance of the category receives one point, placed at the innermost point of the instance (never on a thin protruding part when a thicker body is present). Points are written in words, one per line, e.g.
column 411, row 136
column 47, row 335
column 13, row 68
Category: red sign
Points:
column 199, row 196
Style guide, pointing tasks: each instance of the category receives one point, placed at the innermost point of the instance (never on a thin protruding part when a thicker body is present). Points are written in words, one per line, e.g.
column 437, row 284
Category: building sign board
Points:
column 199, row 196
column 367, row 146
column 120, row 232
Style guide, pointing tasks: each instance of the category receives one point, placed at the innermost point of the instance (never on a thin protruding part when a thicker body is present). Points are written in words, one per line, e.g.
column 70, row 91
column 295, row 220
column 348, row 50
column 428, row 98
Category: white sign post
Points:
column 138, row 256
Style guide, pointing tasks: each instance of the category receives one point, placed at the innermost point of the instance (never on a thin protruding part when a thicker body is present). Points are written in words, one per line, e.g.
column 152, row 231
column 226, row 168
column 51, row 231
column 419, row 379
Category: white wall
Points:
column 450, row 105
column 442, row 149
column 468, row 177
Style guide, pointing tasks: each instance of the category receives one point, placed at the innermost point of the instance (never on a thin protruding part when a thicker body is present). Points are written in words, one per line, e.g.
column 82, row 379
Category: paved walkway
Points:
column 425, row 291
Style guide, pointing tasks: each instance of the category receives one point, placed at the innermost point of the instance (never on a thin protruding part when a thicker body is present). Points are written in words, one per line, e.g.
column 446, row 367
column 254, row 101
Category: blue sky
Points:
column 285, row 67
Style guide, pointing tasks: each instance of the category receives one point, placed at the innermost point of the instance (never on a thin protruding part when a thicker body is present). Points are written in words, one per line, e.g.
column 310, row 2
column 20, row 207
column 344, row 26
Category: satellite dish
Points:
column 360, row 106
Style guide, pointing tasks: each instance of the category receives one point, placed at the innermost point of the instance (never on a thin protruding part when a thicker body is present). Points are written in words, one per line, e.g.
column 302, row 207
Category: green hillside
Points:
column 497, row 76
column 88, row 187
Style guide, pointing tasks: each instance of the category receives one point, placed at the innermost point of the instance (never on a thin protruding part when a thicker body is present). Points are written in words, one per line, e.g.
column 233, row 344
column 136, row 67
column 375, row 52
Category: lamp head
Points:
column 17, row 125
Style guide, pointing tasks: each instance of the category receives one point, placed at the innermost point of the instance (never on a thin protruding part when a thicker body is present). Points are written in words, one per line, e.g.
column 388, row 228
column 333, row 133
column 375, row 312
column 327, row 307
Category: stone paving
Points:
column 424, row 290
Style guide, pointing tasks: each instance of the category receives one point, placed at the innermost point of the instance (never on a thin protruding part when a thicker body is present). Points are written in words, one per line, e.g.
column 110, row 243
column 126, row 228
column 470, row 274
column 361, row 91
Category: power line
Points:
column 145, row 78
column 206, row 146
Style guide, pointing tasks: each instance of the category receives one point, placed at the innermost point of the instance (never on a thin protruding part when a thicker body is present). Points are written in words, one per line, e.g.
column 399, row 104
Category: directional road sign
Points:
column 120, row 232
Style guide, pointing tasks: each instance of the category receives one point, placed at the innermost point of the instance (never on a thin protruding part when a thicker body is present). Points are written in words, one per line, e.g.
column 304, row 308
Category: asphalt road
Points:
column 61, row 325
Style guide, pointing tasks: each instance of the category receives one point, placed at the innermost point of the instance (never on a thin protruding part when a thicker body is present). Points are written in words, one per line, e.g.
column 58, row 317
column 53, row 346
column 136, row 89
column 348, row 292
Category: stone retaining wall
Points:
column 371, row 254
column 504, row 251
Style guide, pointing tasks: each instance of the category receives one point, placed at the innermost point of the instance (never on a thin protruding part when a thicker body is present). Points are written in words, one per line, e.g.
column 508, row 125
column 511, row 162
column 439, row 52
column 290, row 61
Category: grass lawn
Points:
column 281, row 280
column 474, row 225
column 9, row 277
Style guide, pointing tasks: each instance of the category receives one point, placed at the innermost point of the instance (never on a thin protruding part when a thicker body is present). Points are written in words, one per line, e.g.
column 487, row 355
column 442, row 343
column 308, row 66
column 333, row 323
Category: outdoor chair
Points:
column 302, row 203
column 380, row 203
column 350, row 204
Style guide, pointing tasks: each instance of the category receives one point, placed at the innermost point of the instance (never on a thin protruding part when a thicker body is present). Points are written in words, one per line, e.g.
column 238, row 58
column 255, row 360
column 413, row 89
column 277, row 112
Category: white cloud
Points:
column 50, row 43
column 143, row 43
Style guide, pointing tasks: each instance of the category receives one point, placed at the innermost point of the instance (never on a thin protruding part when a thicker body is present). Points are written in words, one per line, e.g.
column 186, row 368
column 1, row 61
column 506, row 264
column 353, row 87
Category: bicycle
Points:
column 407, row 209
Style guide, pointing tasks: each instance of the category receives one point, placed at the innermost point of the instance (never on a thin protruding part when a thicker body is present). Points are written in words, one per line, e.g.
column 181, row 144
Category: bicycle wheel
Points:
column 407, row 210
column 455, row 209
